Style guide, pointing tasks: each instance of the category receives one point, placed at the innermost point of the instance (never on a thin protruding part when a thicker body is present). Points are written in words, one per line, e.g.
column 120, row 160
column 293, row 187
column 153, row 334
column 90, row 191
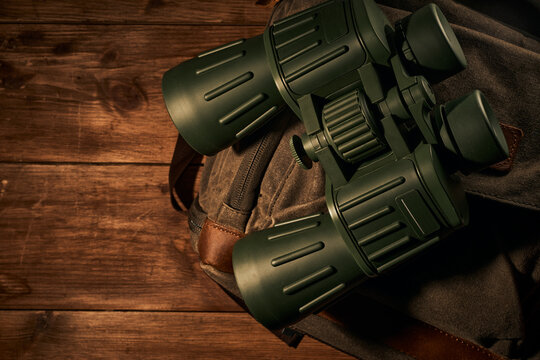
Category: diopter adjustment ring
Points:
column 299, row 153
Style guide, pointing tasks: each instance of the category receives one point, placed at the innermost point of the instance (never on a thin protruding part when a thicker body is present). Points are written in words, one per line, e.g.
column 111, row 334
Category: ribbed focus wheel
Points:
column 348, row 130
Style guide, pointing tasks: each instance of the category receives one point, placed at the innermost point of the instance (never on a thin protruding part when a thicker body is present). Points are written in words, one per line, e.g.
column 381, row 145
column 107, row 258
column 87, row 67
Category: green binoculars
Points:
column 362, row 89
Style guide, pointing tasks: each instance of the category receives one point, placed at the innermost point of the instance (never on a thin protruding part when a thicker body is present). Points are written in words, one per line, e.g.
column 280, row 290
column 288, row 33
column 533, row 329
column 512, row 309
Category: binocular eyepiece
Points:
column 361, row 88
column 429, row 45
column 459, row 119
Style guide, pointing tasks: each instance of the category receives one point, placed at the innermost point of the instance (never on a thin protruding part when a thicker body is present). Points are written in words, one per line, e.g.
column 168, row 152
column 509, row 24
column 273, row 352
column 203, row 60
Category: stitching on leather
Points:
column 453, row 337
column 221, row 228
column 516, row 134
column 463, row 342
column 515, row 140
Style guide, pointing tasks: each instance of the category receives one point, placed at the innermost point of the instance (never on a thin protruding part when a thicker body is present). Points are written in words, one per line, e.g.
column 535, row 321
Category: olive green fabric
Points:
column 483, row 283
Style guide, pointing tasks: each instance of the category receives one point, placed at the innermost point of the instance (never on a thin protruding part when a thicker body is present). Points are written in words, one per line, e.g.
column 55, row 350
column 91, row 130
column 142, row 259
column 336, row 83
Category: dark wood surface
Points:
column 236, row 12
column 146, row 335
column 92, row 93
column 94, row 262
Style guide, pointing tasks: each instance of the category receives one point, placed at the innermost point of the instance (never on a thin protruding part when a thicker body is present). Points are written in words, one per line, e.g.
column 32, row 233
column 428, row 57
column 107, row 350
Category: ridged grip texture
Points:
column 293, row 269
column 348, row 129
column 389, row 213
column 316, row 46
column 222, row 95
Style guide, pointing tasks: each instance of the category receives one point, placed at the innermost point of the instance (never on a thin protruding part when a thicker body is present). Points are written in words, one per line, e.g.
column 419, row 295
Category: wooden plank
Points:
column 146, row 335
column 93, row 93
column 235, row 12
column 97, row 237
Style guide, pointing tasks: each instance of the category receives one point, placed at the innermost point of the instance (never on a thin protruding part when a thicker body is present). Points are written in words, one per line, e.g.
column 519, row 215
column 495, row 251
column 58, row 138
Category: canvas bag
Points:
column 476, row 294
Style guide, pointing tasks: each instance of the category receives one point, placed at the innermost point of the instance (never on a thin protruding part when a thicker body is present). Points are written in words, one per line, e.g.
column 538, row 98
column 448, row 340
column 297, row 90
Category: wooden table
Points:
column 94, row 262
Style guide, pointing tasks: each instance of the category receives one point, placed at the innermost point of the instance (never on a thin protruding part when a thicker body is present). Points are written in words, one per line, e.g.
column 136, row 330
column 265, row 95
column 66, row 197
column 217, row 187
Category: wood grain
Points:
column 97, row 237
column 93, row 93
column 237, row 12
column 94, row 262
column 146, row 335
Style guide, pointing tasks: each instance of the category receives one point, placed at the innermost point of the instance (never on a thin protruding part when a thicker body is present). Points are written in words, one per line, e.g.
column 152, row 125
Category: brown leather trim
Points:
column 513, row 136
column 426, row 342
column 216, row 245
column 413, row 337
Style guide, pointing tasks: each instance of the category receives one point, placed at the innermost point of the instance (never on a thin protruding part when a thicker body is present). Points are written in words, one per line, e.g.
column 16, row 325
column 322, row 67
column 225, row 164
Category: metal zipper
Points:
column 247, row 171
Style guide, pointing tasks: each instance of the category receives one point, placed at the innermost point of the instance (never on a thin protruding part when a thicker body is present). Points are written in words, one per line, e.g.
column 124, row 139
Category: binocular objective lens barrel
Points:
column 226, row 93
column 293, row 269
column 222, row 95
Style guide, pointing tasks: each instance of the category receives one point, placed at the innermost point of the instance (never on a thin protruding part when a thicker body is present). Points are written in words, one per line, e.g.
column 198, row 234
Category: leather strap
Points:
column 179, row 185
column 426, row 342
column 216, row 244
column 513, row 136
column 413, row 337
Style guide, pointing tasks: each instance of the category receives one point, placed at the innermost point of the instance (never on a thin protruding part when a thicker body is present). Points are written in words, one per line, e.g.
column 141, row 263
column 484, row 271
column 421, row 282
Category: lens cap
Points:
column 436, row 52
column 471, row 131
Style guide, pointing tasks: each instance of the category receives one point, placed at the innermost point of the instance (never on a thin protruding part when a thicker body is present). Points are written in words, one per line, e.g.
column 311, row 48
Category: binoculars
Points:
column 362, row 89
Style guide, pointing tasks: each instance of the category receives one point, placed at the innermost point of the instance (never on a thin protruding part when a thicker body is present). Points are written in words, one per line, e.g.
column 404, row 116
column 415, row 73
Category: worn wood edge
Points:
column 68, row 334
column 233, row 12
column 97, row 237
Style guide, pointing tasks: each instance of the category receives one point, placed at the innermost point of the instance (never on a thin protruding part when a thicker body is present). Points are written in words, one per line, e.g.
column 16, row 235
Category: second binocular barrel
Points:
column 376, row 222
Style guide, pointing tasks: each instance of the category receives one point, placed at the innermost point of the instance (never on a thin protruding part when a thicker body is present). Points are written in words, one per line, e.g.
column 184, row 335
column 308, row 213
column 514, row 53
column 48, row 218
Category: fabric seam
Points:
column 279, row 191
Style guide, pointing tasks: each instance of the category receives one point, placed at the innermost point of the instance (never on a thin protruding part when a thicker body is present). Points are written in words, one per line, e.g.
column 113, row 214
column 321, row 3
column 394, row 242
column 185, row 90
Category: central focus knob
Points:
column 348, row 128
